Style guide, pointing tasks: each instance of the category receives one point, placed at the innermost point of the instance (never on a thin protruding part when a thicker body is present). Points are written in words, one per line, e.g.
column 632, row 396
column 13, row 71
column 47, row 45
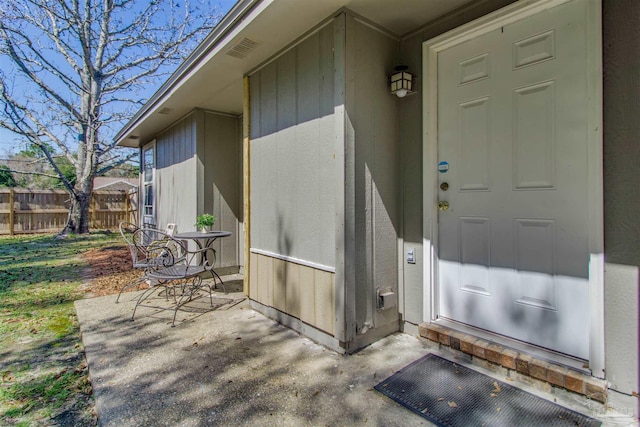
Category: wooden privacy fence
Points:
column 24, row 211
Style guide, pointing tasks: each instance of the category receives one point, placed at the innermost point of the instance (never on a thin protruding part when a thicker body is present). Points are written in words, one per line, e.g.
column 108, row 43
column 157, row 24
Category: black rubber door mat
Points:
column 448, row 394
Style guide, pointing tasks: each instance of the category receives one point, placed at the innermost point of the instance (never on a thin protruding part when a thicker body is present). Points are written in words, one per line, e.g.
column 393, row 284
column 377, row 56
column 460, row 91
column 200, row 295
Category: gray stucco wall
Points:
column 372, row 113
column 621, row 50
column 292, row 153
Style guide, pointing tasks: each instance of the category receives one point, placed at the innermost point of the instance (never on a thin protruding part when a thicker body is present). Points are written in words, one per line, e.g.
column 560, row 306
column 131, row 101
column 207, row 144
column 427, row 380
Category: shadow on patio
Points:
column 231, row 366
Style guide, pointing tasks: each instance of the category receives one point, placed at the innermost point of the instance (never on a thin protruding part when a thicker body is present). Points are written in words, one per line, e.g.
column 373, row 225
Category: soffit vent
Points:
column 165, row 110
column 243, row 48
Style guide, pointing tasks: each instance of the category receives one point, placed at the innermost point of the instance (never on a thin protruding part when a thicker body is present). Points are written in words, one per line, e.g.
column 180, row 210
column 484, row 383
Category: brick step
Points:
column 555, row 374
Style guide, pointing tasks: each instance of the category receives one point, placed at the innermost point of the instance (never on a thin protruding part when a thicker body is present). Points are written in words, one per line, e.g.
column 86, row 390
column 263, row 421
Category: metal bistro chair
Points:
column 138, row 256
column 171, row 265
column 137, row 243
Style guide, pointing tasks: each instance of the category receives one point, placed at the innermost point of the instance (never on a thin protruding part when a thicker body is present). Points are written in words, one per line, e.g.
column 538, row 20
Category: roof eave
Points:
column 235, row 16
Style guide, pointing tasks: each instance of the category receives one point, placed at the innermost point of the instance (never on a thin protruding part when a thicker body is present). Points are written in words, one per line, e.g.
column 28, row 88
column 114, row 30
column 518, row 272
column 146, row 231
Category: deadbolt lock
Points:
column 443, row 206
column 444, row 186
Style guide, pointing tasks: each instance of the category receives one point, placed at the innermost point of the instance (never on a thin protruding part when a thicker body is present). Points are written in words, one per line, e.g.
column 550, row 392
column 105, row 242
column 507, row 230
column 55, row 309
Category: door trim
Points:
column 430, row 49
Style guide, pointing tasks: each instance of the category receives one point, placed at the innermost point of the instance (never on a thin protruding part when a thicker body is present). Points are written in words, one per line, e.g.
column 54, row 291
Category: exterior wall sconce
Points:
column 402, row 82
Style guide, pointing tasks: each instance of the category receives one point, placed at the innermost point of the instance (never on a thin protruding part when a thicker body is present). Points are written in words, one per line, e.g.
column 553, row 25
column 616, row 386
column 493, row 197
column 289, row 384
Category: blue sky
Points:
column 11, row 143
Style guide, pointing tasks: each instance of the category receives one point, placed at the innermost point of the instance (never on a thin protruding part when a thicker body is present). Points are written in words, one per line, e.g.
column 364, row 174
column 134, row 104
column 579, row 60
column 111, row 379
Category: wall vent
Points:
column 243, row 48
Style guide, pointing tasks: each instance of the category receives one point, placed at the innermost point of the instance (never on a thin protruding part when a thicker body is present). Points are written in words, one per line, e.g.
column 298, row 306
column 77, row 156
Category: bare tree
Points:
column 73, row 71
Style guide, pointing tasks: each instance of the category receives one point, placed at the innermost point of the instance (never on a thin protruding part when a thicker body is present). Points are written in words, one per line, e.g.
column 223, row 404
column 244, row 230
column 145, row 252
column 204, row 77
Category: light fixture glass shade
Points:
column 401, row 82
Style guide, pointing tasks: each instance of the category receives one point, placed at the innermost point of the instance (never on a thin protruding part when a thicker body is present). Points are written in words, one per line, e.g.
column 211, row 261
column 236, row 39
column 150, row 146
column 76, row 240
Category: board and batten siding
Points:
column 175, row 177
column 197, row 171
column 300, row 291
column 293, row 182
column 292, row 153
column 221, row 184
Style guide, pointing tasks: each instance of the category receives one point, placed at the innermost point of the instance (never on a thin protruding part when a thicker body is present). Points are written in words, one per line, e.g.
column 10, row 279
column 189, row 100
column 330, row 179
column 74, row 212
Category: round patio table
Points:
column 205, row 240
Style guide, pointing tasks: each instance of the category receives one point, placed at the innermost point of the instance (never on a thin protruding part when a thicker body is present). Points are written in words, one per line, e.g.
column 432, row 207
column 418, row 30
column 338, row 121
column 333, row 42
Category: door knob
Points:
column 443, row 205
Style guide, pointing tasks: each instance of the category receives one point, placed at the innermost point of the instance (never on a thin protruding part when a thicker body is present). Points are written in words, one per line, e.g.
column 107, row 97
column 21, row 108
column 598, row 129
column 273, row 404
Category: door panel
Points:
column 474, row 140
column 534, row 166
column 512, row 124
column 475, row 254
column 535, row 262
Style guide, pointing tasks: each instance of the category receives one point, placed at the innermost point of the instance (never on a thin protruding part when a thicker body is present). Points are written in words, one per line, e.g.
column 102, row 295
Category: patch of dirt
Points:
column 109, row 270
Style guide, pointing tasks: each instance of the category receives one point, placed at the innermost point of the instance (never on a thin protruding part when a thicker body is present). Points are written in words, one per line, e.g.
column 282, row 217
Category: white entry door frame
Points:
column 431, row 48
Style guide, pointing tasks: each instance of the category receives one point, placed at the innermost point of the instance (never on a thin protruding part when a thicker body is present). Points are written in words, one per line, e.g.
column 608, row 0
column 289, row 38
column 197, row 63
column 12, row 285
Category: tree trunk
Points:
column 78, row 221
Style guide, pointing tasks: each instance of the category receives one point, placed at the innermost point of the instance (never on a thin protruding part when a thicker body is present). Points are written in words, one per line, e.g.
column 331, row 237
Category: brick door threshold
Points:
column 554, row 374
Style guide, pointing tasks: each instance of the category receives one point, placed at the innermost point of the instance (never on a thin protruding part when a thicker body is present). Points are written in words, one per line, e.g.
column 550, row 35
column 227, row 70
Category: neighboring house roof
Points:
column 114, row 183
column 253, row 31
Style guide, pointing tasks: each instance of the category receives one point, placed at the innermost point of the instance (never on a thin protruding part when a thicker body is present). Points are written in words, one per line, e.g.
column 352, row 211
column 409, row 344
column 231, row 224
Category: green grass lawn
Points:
column 42, row 366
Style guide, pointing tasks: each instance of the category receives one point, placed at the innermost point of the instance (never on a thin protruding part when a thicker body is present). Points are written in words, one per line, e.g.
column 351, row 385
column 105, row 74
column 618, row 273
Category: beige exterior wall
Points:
column 300, row 291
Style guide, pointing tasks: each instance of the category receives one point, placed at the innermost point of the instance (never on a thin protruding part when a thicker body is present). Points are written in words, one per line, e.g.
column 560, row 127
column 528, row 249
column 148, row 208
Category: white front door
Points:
column 513, row 250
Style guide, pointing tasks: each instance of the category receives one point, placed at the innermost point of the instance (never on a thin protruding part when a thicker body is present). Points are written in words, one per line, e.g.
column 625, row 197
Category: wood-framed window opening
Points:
column 148, row 184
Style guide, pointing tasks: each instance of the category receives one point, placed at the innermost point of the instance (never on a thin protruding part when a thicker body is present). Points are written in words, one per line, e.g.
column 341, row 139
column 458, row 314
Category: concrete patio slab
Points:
column 233, row 366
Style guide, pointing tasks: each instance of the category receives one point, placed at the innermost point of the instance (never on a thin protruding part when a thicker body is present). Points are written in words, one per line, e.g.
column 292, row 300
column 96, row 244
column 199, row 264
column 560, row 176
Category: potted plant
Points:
column 204, row 222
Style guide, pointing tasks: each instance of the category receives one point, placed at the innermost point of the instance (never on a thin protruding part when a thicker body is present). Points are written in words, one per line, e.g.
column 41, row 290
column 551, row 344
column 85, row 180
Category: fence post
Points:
column 12, row 216
column 127, row 206
column 92, row 212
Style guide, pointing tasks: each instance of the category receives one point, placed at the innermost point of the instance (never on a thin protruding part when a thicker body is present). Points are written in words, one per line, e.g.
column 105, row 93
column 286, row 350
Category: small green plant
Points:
column 205, row 221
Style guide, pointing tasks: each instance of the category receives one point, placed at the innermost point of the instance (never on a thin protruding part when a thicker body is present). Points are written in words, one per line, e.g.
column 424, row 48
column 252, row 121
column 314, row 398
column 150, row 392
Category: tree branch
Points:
column 117, row 163
column 47, row 175
column 79, row 64
column 20, row 63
